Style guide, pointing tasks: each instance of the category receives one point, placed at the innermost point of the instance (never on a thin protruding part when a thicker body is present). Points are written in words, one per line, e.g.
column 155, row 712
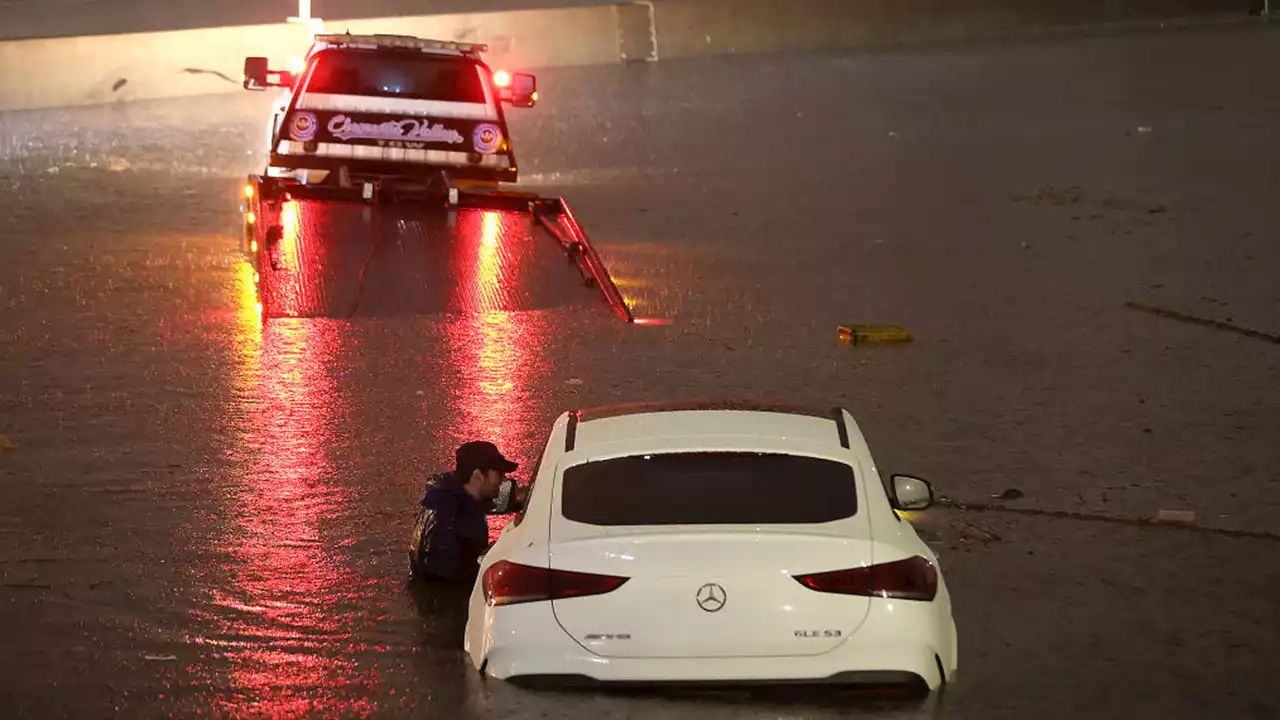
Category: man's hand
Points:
column 521, row 495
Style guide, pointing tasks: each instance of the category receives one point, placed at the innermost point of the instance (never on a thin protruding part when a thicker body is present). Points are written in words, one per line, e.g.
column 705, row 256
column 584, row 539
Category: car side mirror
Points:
column 255, row 73
column 524, row 90
column 911, row 493
column 258, row 75
column 506, row 502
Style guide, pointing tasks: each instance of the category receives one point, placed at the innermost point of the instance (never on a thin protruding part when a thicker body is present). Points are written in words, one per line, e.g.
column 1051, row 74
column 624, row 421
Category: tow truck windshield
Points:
column 409, row 75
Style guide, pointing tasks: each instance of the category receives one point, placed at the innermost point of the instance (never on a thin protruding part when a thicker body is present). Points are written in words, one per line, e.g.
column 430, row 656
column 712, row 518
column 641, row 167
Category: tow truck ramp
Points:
column 326, row 250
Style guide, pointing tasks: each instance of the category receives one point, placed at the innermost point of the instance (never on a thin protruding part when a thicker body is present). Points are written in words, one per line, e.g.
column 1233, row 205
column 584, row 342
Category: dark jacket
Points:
column 451, row 533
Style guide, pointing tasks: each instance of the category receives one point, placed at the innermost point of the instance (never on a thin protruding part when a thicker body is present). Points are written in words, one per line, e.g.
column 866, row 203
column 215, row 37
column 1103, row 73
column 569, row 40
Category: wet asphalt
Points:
column 205, row 515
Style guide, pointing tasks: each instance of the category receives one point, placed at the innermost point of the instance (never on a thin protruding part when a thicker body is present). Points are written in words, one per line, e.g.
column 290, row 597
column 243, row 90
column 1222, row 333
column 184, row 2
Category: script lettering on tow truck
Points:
column 423, row 131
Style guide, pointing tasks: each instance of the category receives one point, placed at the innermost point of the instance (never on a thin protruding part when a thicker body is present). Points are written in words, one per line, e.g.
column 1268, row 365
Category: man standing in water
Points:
column 451, row 531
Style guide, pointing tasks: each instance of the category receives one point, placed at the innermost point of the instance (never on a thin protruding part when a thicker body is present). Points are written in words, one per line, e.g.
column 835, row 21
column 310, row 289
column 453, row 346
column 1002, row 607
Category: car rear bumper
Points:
column 908, row 668
column 902, row 644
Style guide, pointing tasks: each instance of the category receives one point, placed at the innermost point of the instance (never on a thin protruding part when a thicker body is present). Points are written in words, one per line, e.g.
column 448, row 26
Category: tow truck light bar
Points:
column 401, row 41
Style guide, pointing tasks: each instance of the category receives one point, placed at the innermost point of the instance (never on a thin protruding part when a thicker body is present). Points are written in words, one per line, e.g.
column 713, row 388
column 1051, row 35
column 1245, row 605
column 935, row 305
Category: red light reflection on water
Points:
column 495, row 353
column 290, row 222
column 284, row 615
column 485, row 344
column 289, row 277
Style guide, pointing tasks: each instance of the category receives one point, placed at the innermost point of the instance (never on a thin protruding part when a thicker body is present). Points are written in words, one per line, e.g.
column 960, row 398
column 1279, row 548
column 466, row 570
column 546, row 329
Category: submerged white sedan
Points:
column 713, row 544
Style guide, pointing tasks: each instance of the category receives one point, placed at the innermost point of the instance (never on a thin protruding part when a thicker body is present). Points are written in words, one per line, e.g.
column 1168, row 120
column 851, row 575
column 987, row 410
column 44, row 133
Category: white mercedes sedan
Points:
column 713, row 544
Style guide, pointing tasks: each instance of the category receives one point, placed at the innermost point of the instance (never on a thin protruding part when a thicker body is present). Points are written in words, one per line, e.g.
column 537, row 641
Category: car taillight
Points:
column 508, row 583
column 912, row 579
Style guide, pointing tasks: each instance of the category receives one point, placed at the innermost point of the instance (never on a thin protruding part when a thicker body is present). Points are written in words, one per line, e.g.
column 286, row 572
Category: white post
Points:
column 304, row 12
column 316, row 25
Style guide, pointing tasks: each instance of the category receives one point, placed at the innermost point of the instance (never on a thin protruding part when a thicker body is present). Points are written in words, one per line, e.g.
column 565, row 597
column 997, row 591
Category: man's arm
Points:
column 443, row 548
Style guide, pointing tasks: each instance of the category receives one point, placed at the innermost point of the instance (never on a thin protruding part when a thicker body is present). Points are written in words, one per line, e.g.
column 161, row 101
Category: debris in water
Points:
column 968, row 530
column 859, row 334
column 1178, row 516
column 1010, row 494
column 1227, row 326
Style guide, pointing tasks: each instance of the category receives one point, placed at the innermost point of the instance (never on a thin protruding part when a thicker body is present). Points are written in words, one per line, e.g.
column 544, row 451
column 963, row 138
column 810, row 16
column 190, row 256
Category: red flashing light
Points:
column 508, row 583
column 653, row 321
column 912, row 579
column 502, row 78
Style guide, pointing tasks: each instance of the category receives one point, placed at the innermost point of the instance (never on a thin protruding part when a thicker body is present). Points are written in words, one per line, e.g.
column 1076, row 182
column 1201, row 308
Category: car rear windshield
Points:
column 709, row 488
column 411, row 75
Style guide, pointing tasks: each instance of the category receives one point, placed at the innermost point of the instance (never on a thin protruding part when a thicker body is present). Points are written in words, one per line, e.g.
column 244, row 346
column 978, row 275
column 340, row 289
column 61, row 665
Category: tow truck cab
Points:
column 386, row 107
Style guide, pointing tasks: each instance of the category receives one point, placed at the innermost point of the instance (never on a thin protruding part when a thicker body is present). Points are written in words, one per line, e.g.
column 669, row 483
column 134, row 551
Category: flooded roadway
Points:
column 202, row 514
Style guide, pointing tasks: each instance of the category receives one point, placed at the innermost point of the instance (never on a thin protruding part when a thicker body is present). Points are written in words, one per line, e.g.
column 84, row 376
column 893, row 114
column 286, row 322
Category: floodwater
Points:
column 203, row 513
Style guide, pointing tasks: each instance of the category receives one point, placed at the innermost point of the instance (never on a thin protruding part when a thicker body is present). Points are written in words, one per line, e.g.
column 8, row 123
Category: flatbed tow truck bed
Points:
column 322, row 251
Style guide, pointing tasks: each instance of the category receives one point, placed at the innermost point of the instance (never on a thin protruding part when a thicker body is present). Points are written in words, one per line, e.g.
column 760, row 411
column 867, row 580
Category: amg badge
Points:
column 808, row 634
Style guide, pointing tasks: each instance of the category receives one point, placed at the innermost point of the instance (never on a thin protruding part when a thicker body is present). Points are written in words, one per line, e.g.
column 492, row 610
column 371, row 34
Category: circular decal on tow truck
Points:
column 304, row 126
column 487, row 138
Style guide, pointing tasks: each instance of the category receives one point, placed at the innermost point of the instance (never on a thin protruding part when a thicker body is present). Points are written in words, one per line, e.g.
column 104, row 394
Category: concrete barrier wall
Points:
column 22, row 19
column 58, row 72
column 109, row 68
column 690, row 28
column 525, row 39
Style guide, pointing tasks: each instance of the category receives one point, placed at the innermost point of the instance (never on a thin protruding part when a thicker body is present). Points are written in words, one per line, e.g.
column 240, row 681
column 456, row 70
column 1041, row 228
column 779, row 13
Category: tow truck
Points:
column 378, row 120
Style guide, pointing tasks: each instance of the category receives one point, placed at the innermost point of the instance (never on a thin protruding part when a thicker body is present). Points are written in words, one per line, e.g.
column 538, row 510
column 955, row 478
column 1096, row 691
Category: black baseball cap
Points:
column 480, row 455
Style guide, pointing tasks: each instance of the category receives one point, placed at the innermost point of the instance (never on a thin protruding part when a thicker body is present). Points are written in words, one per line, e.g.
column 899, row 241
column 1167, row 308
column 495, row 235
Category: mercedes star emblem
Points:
column 711, row 597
